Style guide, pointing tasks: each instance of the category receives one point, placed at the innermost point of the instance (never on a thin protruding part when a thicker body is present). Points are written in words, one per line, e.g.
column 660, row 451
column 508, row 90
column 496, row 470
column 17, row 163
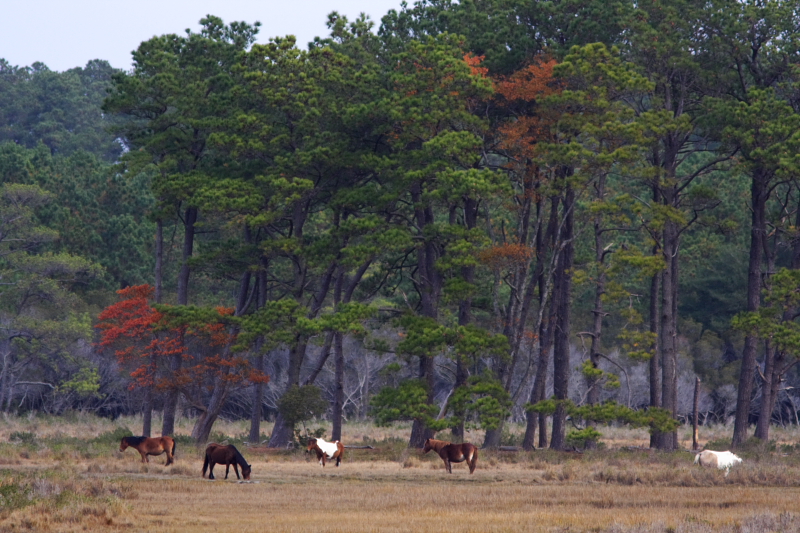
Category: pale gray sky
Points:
column 67, row 33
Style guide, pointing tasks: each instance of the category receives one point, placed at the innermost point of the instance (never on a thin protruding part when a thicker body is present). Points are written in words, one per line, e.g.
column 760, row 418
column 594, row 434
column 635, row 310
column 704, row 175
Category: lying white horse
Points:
column 722, row 460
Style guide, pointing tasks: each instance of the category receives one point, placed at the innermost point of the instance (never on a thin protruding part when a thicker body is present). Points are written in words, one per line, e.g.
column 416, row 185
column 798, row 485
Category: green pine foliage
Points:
column 388, row 189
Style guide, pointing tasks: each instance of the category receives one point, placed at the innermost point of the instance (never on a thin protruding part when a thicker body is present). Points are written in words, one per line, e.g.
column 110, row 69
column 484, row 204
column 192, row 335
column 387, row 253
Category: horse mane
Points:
column 133, row 441
column 437, row 444
column 239, row 457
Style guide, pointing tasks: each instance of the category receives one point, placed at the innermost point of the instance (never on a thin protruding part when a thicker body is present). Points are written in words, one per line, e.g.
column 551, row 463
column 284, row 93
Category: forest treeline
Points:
column 474, row 212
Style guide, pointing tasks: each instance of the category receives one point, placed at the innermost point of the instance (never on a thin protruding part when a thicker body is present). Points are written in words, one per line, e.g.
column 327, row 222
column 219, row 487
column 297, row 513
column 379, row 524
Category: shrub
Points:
column 23, row 437
column 114, row 436
column 14, row 495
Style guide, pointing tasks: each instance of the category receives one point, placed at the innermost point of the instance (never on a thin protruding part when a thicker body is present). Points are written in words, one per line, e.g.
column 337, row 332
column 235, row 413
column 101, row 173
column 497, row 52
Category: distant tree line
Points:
column 477, row 211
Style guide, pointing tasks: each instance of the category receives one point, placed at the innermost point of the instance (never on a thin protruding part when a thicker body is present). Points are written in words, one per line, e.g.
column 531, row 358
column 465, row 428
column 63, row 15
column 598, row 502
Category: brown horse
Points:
column 227, row 455
column 453, row 453
column 150, row 446
column 326, row 450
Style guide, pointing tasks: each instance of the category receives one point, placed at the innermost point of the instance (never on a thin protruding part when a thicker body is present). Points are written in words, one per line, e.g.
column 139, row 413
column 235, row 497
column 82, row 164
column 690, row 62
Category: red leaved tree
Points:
column 144, row 339
column 524, row 256
column 129, row 328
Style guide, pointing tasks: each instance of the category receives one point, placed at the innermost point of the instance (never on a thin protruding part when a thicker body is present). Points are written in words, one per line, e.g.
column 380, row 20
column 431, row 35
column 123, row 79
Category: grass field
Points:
column 68, row 475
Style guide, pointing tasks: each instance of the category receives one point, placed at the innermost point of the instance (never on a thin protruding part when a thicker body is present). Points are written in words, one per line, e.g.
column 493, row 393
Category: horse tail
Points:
column 174, row 445
column 697, row 458
column 205, row 464
column 473, row 460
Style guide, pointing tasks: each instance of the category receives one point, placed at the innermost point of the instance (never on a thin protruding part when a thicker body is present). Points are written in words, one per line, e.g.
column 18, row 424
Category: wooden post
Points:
column 695, row 445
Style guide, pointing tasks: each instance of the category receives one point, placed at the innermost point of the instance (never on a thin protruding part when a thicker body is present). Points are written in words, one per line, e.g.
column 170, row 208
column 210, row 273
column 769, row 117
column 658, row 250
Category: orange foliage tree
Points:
column 525, row 243
column 144, row 337
column 523, row 123
column 128, row 327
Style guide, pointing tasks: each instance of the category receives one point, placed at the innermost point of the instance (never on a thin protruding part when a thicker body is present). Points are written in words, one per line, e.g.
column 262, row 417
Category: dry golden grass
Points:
column 384, row 496
column 69, row 476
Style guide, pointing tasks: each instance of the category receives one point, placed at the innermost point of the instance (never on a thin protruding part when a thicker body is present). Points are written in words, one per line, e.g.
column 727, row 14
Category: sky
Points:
column 64, row 34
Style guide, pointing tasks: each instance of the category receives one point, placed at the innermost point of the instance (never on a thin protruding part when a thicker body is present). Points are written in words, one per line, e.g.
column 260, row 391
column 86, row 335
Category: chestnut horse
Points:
column 227, row 455
column 150, row 446
column 324, row 449
column 453, row 453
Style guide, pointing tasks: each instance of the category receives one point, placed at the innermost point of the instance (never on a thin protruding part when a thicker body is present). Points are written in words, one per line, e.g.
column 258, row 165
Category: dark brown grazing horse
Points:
column 453, row 453
column 326, row 450
column 150, row 446
column 227, row 455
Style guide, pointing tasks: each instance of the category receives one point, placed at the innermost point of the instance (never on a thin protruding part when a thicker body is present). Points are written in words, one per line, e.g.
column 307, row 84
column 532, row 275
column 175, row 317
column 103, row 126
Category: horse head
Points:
column 312, row 443
column 123, row 444
column 428, row 447
column 246, row 469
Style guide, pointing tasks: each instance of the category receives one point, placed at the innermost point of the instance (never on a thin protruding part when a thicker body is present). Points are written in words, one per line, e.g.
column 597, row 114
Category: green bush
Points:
column 184, row 440
column 114, row 436
column 23, row 437
column 14, row 495
column 580, row 438
column 301, row 437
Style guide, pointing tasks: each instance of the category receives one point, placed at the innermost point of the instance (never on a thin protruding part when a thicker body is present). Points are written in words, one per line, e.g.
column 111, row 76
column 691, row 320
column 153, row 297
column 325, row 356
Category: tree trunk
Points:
column 5, row 389
column 419, row 431
column 429, row 286
column 544, row 246
column 774, row 359
column 758, row 232
column 655, row 360
column 695, row 414
column 219, row 395
column 464, row 317
column 655, row 324
column 669, row 353
column 561, row 337
column 593, row 383
column 205, row 422
column 767, row 390
column 147, row 415
column 147, row 412
column 159, row 276
column 282, row 431
column 171, row 400
column 338, row 391
column 492, row 437
column 256, row 412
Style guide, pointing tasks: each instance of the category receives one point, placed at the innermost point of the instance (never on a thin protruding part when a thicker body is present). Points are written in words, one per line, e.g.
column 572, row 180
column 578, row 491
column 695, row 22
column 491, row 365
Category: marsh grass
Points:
column 58, row 499
column 68, row 475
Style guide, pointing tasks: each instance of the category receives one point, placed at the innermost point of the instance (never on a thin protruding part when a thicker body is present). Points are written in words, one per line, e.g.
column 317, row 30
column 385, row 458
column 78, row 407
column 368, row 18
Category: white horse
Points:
column 722, row 460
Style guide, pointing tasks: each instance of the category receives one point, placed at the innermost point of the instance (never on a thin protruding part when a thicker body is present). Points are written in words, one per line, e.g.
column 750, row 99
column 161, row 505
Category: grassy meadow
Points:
column 66, row 474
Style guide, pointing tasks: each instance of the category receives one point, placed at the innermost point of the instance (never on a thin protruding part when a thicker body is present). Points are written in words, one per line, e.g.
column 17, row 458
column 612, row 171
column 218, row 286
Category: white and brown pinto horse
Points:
column 453, row 453
column 722, row 460
column 326, row 450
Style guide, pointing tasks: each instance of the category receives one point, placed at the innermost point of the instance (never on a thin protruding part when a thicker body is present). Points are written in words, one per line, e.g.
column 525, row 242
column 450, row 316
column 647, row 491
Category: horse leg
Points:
column 473, row 461
column 448, row 466
column 144, row 457
column 227, row 469
column 211, row 470
column 236, row 469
